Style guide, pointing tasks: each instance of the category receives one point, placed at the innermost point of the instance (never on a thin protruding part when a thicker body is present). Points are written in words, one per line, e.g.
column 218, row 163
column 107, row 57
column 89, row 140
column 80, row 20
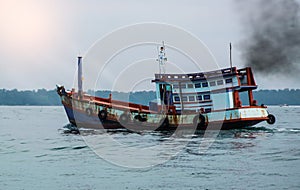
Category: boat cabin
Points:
column 205, row 92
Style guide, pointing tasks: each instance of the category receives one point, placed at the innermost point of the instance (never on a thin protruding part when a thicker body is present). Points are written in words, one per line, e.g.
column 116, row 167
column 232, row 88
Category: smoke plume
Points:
column 272, row 35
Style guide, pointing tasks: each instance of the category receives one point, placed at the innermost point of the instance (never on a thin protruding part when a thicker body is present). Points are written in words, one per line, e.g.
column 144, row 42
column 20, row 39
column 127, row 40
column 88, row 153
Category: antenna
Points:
column 162, row 59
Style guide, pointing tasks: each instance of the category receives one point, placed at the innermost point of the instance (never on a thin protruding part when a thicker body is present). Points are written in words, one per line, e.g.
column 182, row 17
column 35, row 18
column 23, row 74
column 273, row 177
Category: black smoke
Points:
column 271, row 42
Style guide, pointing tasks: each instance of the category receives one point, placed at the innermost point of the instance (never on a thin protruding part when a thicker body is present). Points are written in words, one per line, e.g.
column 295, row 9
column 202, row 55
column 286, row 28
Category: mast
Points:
column 230, row 46
column 162, row 59
column 162, row 70
column 80, row 89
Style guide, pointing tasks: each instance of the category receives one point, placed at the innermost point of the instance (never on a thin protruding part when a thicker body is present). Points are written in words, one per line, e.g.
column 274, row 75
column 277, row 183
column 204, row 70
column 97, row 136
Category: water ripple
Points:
column 60, row 148
column 79, row 147
column 36, row 154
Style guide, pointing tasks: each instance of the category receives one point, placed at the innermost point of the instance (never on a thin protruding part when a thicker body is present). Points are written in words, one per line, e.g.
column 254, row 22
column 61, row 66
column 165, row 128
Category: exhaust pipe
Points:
column 80, row 90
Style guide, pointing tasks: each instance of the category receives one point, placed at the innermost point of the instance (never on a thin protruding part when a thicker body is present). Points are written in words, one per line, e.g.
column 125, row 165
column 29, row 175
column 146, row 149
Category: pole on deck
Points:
column 230, row 46
column 80, row 89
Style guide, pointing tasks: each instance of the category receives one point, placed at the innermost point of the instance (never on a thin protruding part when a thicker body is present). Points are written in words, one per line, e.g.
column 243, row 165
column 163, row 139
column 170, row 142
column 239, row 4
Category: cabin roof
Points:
column 195, row 76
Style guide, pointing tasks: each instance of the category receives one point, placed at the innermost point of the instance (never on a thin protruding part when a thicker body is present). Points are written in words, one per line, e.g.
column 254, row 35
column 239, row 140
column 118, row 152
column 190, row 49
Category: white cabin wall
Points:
column 222, row 100
column 235, row 81
column 231, row 100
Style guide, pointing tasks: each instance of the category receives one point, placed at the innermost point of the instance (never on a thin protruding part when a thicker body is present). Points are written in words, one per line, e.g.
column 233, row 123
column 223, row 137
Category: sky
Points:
column 40, row 40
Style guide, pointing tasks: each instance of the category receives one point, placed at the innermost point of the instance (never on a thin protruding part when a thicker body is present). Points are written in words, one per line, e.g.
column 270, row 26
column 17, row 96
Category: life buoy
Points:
column 199, row 121
column 271, row 119
column 139, row 118
column 124, row 118
column 89, row 111
column 102, row 115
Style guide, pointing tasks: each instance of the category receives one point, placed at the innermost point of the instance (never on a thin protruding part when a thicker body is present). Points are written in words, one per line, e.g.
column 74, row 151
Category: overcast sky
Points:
column 40, row 39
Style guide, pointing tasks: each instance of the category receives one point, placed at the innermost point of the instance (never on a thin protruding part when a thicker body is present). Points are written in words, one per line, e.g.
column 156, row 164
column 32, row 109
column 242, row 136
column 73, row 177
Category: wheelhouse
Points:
column 205, row 92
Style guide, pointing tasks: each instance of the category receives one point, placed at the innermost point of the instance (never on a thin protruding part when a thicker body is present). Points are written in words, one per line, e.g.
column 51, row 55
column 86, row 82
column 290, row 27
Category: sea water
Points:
column 36, row 153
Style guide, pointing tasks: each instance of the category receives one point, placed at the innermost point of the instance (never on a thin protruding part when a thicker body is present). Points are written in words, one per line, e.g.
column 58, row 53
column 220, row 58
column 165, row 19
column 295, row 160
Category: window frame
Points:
column 184, row 98
column 193, row 98
column 198, row 85
column 212, row 83
column 189, row 85
column 204, row 86
column 228, row 81
column 219, row 82
column 205, row 97
column 176, row 99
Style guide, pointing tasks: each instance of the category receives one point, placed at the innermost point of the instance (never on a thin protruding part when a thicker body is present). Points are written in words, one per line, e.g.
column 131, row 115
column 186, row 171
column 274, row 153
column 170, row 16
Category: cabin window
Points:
column 212, row 83
column 220, row 82
column 182, row 85
column 184, row 98
column 199, row 97
column 191, row 98
column 206, row 97
column 198, row 85
column 228, row 81
column 207, row 110
column 176, row 99
column 175, row 86
column 204, row 84
column 190, row 85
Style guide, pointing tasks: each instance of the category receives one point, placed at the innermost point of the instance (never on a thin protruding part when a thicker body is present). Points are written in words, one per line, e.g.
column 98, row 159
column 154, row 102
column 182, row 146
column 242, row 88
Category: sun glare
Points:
column 25, row 25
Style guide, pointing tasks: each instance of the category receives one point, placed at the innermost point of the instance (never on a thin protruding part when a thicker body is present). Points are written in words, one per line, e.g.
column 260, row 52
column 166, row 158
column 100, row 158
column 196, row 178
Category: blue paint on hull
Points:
column 80, row 118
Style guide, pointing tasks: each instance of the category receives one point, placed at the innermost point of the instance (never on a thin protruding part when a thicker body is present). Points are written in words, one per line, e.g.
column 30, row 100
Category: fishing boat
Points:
column 201, row 100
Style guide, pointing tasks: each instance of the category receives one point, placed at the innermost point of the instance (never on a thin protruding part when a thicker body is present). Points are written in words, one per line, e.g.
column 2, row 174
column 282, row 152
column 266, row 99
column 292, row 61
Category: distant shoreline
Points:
column 43, row 97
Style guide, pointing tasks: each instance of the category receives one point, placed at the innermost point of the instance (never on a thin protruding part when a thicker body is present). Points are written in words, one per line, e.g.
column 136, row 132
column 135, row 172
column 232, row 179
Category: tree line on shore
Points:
column 43, row 97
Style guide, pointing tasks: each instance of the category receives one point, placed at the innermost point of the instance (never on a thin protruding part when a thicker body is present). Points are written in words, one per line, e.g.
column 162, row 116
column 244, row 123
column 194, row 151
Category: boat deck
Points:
column 117, row 104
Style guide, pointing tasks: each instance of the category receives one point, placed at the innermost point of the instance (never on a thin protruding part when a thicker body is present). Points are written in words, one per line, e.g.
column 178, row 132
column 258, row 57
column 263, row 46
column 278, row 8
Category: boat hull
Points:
column 81, row 119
